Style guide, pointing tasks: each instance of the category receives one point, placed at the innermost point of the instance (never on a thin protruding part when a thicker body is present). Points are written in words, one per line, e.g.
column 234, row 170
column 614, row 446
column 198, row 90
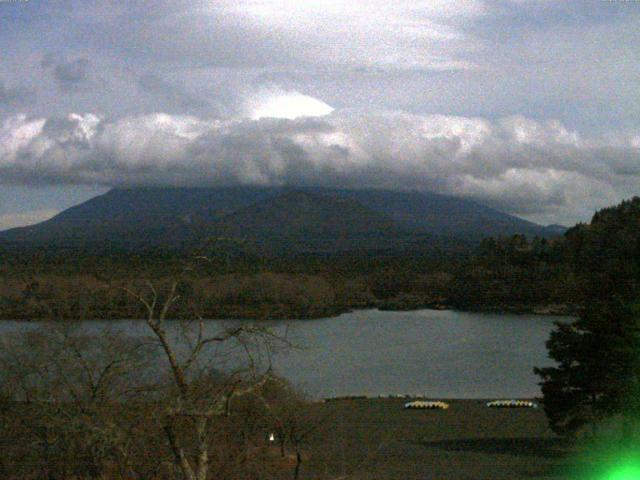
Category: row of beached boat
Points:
column 511, row 404
column 438, row 405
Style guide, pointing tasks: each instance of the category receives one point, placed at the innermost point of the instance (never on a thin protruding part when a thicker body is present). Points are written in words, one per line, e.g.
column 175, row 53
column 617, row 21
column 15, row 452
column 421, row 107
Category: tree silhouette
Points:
column 598, row 355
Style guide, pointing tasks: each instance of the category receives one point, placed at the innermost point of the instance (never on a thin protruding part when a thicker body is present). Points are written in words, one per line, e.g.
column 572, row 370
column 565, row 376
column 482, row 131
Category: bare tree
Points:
column 69, row 388
column 203, row 389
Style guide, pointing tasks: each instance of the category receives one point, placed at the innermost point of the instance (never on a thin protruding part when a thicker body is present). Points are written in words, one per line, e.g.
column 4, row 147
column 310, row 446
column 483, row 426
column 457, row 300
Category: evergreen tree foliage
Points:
column 598, row 355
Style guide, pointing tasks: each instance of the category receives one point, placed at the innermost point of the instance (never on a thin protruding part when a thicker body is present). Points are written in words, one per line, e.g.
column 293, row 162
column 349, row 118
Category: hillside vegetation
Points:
column 229, row 280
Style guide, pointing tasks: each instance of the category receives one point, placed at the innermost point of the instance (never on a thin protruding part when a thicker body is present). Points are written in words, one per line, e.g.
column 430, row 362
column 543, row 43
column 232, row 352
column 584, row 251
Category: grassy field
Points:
column 378, row 439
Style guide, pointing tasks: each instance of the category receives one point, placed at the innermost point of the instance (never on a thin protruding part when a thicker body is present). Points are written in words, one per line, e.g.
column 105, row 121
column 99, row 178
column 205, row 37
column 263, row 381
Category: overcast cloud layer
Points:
column 514, row 163
column 528, row 106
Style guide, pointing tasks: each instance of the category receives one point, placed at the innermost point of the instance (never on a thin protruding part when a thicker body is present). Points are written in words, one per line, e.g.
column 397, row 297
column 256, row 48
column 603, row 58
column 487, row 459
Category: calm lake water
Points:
column 439, row 354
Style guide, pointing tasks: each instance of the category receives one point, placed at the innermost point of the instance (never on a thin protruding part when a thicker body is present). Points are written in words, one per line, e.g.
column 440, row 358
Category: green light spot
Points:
column 625, row 472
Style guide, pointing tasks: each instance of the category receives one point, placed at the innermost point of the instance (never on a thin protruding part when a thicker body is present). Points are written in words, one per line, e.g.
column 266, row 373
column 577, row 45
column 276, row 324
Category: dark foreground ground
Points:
column 378, row 439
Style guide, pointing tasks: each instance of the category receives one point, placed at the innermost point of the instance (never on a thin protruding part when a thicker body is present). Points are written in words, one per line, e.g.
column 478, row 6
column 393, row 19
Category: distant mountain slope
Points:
column 161, row 205
column 138, row 218
column 306, row 220
column 441, row 215
column 305, row 213
column 300, row 218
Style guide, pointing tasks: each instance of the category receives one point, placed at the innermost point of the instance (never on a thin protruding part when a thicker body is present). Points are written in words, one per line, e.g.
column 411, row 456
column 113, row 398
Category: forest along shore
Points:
column 510, row 275
column 52, row 288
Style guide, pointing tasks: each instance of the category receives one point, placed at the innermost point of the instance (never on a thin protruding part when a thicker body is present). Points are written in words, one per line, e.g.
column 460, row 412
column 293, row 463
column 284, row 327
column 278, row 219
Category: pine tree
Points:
column 598, row 355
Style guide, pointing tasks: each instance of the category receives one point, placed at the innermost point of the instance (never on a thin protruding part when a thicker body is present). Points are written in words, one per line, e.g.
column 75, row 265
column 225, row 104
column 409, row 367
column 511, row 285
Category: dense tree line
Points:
column 81, row 286
column 598, row 355
column 514, row 273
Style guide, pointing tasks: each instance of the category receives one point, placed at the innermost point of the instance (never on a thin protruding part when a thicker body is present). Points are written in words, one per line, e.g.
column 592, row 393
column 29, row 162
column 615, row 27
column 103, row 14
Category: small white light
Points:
column 272, row 437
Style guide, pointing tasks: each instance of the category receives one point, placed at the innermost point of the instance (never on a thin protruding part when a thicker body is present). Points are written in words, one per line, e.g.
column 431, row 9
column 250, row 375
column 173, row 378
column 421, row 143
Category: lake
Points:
column 436, row 353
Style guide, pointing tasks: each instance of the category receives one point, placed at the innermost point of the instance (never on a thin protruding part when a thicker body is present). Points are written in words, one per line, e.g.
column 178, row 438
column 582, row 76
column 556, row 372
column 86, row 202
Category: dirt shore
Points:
column 378, row 439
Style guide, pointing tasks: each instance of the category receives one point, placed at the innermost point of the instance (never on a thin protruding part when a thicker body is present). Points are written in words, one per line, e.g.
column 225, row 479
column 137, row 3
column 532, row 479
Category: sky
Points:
column 531, row 107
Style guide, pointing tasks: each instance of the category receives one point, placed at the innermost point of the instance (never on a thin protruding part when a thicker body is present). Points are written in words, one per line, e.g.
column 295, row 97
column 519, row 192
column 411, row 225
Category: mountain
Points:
column 301, row 213
column 440, row 214
column 274, row 218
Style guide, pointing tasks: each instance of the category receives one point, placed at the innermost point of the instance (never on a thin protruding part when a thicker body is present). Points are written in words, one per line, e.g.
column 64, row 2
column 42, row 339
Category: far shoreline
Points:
column 542, row 311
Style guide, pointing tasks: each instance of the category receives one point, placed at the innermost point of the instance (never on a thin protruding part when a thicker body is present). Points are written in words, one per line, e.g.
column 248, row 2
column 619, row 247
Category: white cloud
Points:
column 401, row 34
column 517, row 164
column 275, row 103
column 17, row 133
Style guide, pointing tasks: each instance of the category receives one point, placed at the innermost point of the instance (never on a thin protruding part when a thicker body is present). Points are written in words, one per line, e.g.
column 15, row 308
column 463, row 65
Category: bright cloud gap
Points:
column 289, row 105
